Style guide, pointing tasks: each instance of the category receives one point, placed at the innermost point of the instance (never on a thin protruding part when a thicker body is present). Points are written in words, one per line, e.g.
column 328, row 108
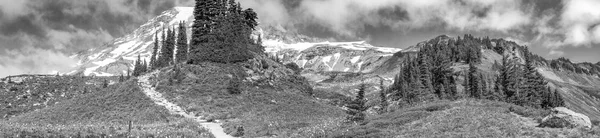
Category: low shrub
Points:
column 294, row 67
column 596, row 122
column 431, row 107
column 556, row 122
column 528, row 112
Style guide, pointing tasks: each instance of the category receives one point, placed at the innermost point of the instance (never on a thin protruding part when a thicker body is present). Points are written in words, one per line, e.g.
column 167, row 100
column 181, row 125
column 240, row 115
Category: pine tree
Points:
column 199, row 48
column 357, row 106
column 498, row 92
column 533, row 83
column 426, row 87
column 144, row 66
column 226, row 38
column 559, row 101
column 473, row 86
column 154, row 57
column 137, row 67
column 484, row 91
column 507, row 78
column 121, row 78
column 250, row 18
column 167, row 50
column 182, row 45
column 105, row 83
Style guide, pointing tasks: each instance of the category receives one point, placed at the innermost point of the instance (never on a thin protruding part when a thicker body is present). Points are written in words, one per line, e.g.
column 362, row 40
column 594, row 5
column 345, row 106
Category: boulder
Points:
column 563, row 117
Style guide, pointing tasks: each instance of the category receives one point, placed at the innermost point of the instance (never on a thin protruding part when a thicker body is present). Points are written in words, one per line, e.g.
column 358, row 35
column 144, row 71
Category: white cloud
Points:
column 33, row 60
column 347, row 16
column 269, row 11
column 556, row 53
column 578, row 20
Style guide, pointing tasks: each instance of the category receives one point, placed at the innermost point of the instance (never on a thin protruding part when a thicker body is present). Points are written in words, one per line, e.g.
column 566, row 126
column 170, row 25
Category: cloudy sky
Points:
column 37, row 36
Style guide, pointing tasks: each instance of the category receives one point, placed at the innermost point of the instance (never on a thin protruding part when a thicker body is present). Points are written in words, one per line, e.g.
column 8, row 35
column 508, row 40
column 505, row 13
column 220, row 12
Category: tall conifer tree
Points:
column 182, row 44
column 154, row 57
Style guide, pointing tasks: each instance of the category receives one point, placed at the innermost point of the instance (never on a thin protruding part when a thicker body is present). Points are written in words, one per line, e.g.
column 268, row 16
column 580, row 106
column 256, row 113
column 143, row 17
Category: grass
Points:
column 462, row 118
column 118, row 103
column 179, row 128
column 103, row 113
column 281, row 106
column 33, row 93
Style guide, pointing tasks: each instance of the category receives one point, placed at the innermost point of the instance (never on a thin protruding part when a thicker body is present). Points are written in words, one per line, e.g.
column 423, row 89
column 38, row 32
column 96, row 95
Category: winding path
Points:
column 214, row 128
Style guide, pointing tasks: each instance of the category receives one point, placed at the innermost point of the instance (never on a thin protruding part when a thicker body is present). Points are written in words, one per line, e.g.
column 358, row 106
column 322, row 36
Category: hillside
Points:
column 461, row 118
column 106, row 112
column 273, row 100
column 25, row 93
column 578, row 83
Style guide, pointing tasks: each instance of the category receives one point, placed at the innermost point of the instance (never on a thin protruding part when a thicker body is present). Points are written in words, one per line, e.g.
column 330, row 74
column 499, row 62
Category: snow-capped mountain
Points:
column 118, row 56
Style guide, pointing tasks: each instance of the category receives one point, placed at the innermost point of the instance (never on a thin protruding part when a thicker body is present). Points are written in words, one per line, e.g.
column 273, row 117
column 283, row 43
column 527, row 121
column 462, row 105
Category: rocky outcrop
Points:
column 562, row 117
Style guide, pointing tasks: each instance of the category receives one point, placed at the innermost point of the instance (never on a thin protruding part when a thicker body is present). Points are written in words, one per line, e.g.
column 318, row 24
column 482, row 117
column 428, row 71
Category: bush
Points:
column 596, row 122
column 234, row 86
column 528, row 112
column 556, row 122
column 294, row 67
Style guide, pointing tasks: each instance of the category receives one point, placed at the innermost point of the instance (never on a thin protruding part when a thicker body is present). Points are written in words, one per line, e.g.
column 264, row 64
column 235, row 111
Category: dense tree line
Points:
column 139, row 67
column 521, row 84
column 427, row 75
column 221, row 32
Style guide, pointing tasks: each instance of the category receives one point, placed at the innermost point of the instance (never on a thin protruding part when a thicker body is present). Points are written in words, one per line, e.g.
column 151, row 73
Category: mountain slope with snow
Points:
column 118, row 56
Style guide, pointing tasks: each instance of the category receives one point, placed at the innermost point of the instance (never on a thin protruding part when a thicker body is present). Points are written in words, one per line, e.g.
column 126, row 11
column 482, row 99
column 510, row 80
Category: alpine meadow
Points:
column 299, row 68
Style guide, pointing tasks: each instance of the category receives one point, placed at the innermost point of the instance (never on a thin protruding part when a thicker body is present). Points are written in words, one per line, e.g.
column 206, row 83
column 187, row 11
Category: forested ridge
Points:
column 427, row 75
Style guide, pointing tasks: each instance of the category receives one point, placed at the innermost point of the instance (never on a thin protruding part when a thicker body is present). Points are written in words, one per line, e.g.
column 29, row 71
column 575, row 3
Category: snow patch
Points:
column 277, row 45
column 184, row 13
column 549, row 75
column 359, row 66
column 355, row 59
column 326, row 59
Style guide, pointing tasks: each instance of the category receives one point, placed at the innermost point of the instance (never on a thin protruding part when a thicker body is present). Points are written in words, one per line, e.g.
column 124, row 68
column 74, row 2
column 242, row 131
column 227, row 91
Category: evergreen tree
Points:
column 426, row 86
column 483, row 87
column 507, row 78
column 250, row 18
column 144, row 67
column 182, row 44
column 357, row 106
column 154, row 57
column 137, row 67
column 473, row 86
column 167, row 50
column 121, row 78
column 199, row 48
column 227, row 37
column 498, row 92
column 105, row 83
column 558, row 99
column 533, row 83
